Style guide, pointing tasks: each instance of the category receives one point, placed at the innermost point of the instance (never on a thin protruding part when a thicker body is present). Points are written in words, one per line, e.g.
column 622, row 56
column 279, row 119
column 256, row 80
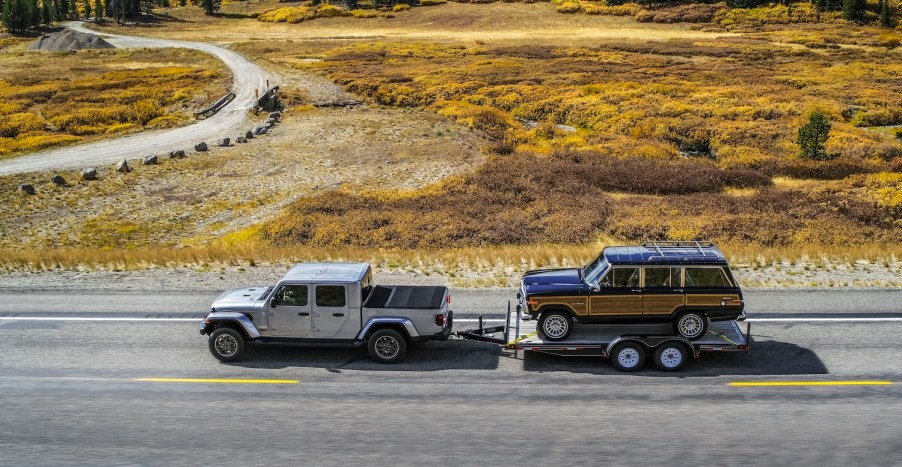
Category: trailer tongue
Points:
column 627, row 345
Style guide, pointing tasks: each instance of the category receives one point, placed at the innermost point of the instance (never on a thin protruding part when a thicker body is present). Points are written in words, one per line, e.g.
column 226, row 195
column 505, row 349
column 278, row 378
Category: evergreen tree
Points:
column 820, row 5
column 211, row 6
column 98, row 10
column 46, row 13
column 87, row 9
column 886, row 18
column 17, row 15
column 813, row 135
column 853, row 10
column 35, row 19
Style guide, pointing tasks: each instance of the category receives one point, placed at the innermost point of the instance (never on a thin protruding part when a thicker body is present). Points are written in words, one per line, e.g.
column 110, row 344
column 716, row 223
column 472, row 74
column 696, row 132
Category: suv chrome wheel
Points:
column 387, row 347
column 226, row 345
column 691, row 325
column 556, row 325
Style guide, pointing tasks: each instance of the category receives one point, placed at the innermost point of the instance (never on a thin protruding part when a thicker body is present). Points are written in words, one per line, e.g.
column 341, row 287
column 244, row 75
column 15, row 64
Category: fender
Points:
column 408, row 326
column 231, row 316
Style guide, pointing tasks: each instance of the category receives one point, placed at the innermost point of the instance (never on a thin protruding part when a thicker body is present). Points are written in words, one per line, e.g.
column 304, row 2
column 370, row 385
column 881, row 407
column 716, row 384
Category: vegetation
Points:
column 20, row 15
column 90, row 94
column 813, row 135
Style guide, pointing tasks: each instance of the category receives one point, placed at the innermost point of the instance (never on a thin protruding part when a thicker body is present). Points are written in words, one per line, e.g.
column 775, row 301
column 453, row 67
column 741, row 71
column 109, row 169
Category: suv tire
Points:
column 628, row 356
column 227, row 344
column 671, row 356
column 387, row 346
column 692, row 325
column 556, row 325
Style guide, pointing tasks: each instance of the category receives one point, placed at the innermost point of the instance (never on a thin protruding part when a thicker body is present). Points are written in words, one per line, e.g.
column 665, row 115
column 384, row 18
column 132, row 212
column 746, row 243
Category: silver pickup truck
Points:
column 329, row 303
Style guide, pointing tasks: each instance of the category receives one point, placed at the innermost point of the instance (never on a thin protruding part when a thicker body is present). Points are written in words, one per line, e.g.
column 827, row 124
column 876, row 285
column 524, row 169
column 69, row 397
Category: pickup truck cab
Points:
column 684, row 283
column 329, row 303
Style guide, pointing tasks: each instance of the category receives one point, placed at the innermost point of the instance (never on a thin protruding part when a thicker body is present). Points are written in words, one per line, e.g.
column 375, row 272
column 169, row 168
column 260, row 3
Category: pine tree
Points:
column 853, row 10
column 87, row 8
column 813, row 135
column 46, row 13
column 17, row 15
column 211, row 6
column 35, row 14
column 98, row 10
column 886, row 18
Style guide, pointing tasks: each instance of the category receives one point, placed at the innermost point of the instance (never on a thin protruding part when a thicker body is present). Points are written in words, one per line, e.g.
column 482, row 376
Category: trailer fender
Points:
column 392, row 321
column 240, row 319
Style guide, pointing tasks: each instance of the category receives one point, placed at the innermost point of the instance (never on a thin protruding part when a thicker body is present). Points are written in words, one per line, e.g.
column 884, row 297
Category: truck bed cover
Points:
column 406, row 296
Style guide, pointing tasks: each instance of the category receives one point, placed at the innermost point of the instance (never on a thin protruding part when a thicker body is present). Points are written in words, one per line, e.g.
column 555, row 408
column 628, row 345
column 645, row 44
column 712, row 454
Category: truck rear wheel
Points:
column 628, row 356
column 227, row 344
column 387, row 346
column 692, row 325
column 556, row 325
column 671, row 356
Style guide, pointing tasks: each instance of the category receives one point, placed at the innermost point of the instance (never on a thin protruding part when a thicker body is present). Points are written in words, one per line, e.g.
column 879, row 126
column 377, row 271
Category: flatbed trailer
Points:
column 626, row 345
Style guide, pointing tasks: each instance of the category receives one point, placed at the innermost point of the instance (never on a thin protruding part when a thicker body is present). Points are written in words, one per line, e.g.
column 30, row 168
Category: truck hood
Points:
column 242, row 299
column 552, row 280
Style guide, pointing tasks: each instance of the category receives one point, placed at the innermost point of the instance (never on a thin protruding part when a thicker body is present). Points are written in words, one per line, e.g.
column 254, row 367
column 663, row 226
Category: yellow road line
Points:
column 217, row 380
column 810, row 383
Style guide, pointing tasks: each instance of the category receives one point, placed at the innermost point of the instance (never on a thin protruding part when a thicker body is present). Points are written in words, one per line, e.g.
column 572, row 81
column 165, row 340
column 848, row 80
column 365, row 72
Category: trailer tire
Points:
column 628, row 356
column 227, row 344
column 387, row 346
column 692, row 325
column 671, row 356
column 556, row 325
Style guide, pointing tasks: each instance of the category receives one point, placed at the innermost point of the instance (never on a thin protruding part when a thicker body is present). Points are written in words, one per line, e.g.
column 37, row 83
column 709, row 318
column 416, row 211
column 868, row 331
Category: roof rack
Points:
column 698, row 245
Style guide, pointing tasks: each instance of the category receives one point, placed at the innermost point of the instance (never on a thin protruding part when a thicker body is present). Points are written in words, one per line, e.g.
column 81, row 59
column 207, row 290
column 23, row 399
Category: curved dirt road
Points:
column 229, row 122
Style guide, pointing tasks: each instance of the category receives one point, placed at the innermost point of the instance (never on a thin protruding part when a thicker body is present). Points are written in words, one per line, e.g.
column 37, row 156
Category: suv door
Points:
column 662, row 291
column 291, row 315
column 620, row 294
column 709, row 288
column 330, row 310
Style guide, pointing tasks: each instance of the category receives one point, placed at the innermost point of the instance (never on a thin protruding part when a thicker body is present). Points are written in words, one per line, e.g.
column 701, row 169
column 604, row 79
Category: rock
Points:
column 241, row 139
column 58, row 180
column 275, row 116
column 223, row 142
column 27, row 188
column 270, row 123
column 260, row 130
column 122, row 167
column 201, row 147
column 249, row 134
column 565, row 128
column 177, row 154
column 89, row 174
column 151, row 160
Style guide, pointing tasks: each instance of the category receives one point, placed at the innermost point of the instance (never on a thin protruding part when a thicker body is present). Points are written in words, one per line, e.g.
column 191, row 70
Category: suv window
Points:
column 625, row 277
column 330, row 295
column 662, row 277
column 706, row 277
column 292, row 295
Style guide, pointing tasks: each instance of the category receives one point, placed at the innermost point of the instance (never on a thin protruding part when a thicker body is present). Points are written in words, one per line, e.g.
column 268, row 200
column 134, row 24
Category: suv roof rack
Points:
column 660, row 245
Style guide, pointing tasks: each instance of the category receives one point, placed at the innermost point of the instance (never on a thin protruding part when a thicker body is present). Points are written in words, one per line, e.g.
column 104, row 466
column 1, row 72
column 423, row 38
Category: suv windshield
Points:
column 595, row 270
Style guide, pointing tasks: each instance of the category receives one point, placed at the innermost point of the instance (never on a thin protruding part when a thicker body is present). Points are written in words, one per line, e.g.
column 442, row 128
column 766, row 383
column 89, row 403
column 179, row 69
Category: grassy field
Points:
column 51, row 99
column 584, row 130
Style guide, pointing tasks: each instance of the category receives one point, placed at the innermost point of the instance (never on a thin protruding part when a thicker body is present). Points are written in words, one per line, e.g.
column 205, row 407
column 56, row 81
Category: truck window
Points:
column 626, row 277
column 330, row 295
column 706, row 277
column 662, row 277
column 292, row 295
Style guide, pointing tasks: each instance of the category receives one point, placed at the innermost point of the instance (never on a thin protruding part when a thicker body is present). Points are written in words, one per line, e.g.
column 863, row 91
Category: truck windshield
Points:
column 595, row 270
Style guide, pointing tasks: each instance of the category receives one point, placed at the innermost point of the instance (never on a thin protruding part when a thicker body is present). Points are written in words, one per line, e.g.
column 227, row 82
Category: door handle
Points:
column 677, row 290
column 338, row 314
column 303, row 313
column 635, row 290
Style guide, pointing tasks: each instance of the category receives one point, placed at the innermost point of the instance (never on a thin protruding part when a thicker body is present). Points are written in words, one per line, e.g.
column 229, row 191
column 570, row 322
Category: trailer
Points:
column 626, row 345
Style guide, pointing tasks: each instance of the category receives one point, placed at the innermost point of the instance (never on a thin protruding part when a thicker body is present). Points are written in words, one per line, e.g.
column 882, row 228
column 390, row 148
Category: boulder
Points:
column 260, row 130
column 177, row 154
column 241, row 139
column 275, row 116
column 249, row 134
column 201, row 147
column 270, row 123
column 27, row 188
column 122, row 167
column 151, row 160
column 89, row 174
column 58, row 180
column 223, row 142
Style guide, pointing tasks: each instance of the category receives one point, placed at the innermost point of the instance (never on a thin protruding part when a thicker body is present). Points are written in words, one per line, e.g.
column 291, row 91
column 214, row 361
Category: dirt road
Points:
column 229, row 122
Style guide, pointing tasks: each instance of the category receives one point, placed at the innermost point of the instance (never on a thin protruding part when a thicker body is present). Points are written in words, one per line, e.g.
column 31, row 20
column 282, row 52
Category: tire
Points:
column 671, row 356
column 628, row 356
column 692, row 325
column 556, row 325
column 387, row 346
column 227, row 344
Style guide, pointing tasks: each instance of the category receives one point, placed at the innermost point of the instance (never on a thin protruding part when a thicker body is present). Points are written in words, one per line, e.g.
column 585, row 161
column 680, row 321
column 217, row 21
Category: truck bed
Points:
column 406, row 297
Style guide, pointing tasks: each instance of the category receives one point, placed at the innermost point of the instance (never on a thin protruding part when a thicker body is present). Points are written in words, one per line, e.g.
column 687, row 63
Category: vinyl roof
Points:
column 327, row 272
column 663, row 255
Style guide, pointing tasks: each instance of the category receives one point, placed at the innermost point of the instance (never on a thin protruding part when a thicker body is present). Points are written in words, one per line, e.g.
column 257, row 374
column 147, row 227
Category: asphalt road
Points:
column 231, row 121
column 72, row 394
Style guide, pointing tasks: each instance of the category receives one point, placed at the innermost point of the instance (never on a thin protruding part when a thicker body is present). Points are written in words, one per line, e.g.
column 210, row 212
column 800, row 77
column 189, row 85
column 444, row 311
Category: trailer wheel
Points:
column 556, row 325
column 227, row 344
column 692, row 325
column 671, row 356
column 628, row 356
column 387, row 346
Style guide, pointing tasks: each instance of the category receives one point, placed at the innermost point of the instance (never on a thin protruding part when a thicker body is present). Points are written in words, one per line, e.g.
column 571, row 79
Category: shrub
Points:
column 358, row 13
column 834, row 169
column 568, row 8
column 813, row 135
column 400, row 7
column 432, row 2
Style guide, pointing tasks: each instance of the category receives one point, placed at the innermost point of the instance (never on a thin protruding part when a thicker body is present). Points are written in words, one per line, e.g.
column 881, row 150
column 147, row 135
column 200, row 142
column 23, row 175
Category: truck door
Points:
column 619, row 295
column 330, row 310
column 662, row 291
column 291, row 316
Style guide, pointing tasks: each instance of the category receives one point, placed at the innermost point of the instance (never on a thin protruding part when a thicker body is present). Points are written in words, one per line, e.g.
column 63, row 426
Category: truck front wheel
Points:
column 387, row 346
column 227, row 344
column 556, row 325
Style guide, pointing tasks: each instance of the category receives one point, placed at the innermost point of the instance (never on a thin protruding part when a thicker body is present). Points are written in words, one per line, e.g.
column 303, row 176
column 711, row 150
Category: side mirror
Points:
column 273, row 302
